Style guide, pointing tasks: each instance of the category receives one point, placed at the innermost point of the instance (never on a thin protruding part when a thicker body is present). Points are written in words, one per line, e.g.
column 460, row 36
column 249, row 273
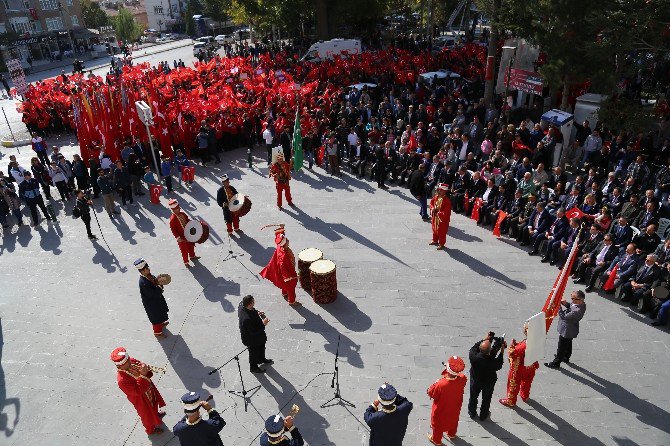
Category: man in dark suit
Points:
column 447, row 174
column 252, row 330
column 558, row 176
column 626, row 263
column 488, row 215
column 380, row 167
column 538, row 222
column 614, row 201
column 556, row 231
column 647, row 241
column 630, row 209
column 484, row 363
column 476, row 190
column 622, row 233
column 599, row 259
column 433, row 175
column 646, row 275
column 648, row 217
column 519, row 221
column 557, row 250
column 460, row 186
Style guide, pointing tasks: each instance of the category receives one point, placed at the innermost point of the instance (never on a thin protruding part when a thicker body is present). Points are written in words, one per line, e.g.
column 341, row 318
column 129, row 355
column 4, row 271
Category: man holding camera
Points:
column 83, row 207
column 486, row 358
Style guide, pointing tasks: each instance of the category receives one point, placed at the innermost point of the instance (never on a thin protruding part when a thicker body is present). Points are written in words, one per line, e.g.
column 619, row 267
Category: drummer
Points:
column 178, row 221
column 223, row 197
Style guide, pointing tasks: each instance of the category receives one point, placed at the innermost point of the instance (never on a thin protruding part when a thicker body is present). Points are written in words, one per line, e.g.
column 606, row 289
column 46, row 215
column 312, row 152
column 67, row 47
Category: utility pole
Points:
column 489, row 88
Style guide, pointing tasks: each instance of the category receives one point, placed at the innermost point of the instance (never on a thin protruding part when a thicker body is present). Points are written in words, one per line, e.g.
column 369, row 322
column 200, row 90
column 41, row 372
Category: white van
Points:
column 324, row 50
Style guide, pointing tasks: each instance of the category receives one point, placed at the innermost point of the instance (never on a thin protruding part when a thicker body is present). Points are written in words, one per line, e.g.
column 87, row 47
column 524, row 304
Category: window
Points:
column 49, row 4
column 54, row 23
column 158, row 10
column 21, row 24
column 75, row 20
column 68, row 2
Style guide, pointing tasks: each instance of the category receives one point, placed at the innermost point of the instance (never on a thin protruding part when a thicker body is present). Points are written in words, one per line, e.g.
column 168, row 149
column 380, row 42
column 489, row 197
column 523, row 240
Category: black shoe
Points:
column 473, row 415
column 256, row 370
column 268, row 361
column 567, row 360
column 552, row 365
column 552, row 263
column 577, row 280
column 532, row 253
column 484, row 416
column 588, row 289
column 523, row 243
column 544, row 259
column 657, row 323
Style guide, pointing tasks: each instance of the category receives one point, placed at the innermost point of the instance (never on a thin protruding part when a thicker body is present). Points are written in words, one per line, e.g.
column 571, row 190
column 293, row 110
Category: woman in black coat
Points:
column 152, row 298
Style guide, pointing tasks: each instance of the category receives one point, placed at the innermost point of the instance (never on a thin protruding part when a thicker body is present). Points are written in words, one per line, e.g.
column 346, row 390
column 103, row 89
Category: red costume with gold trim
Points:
column 281, row 268
column 281, row 172
column 447, row 395
column 520, row 377
column 178, row 221
column 141, row 392
column 440, row 211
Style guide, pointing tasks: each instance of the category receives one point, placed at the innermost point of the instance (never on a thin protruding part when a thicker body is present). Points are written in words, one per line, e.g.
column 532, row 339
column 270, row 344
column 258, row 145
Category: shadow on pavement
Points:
column 191, row 371
column 563, row 433
column 316, row 324
column 483, row 269
column 347, row 313
column 5, row 425
column 214, row 288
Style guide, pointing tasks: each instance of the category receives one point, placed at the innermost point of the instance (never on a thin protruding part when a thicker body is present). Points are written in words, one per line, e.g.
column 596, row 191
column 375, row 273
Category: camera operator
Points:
column 82, row 210
column 486, row 358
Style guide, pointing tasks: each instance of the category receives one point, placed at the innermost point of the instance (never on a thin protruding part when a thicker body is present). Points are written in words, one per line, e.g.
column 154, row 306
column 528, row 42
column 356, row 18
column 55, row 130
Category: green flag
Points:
column 297, row 143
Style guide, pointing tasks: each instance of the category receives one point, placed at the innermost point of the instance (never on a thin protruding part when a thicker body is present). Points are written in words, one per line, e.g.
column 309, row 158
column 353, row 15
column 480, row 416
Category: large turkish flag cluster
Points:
column 221, row 90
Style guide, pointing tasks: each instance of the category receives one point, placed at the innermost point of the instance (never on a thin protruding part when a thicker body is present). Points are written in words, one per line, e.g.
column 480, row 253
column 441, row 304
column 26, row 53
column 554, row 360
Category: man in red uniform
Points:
column 281, row 172
column 520, row 376
column 134, row 378
column 281, row 269
column 178, row 221
column 440, row 212
column 447, row 395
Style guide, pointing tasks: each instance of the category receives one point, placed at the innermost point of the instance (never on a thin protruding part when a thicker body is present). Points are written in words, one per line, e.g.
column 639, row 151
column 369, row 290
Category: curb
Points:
column 15, row 143
column 164, row 50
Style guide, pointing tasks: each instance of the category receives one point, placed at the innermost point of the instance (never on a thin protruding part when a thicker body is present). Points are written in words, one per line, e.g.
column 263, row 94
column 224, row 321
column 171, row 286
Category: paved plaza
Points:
column 402, row 308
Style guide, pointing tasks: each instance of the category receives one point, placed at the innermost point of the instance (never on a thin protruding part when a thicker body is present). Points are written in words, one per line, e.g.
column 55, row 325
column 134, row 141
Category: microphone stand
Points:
column 335, row 383
column 244, row 392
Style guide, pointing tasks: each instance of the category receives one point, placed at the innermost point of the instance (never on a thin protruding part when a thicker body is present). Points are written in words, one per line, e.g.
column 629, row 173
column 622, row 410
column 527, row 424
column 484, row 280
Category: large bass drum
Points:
column 240, row 204
column 196, row 231
column 305, row 258
column 324, row 281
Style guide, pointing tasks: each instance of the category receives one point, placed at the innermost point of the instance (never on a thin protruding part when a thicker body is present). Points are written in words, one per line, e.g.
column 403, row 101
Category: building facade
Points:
column 165, row 15
column 41, row 29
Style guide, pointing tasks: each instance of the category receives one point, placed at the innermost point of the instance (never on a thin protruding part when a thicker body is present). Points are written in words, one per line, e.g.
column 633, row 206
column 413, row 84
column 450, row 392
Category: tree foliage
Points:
column 126, row 27
column 94, row 17
column 193, row 7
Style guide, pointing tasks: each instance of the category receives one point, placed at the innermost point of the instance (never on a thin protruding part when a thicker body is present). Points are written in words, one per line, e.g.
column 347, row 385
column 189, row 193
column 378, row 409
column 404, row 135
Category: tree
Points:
column 127, row 29
column 94, row 17
column 193, row 7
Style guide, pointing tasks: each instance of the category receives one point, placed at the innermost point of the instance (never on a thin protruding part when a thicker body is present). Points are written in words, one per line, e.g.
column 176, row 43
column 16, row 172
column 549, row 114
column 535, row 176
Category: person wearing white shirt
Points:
column 268, row 138
column 17, row 172
column 352, row 140
column 463, row 152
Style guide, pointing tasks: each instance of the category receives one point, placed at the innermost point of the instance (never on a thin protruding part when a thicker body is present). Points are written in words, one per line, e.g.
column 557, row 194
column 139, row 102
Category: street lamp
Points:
column 509, row 75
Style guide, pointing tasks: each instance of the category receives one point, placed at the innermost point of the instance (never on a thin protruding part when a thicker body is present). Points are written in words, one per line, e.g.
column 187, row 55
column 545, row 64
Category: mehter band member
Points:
column 281, row 269
column 387, row 417
column 520, row 377
column 281, row 172
column 440, row 212
column 275, row 430
column 178, row 221
column 223, row 196
column 447, row 395
column 134, row 378
column 152, row 298
column 193, row 430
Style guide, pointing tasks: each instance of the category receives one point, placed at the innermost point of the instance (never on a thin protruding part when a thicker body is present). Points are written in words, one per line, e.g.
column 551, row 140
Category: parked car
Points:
column 207, row 40
column 198, row 47
column 224, row 38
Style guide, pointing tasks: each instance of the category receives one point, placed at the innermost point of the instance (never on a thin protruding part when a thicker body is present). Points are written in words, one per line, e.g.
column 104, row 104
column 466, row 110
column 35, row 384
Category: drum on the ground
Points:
column 196, row 231
column 324, row 281
column 305, row 258
column 240, row 204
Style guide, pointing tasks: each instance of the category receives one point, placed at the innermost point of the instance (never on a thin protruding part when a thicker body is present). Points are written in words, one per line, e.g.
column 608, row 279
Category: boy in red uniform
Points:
column 440, row 212
column 281, row 268
column 447, row 395
column 178, row 221
column 281, row 172
column 520, row 377
column 134, row 378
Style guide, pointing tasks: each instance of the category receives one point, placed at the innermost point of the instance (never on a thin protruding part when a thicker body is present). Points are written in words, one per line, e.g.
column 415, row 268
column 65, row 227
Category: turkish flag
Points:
column 155, row 193
column 187, row 173
column 609, row 285
column 575, row 213
column 501, row 217
column 466, row 202
column 476, row 208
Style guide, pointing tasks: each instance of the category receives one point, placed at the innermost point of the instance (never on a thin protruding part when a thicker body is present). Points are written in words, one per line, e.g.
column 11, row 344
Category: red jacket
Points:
column 447, row 396
column 143, row 395
column 281, row 268
column 176, row 226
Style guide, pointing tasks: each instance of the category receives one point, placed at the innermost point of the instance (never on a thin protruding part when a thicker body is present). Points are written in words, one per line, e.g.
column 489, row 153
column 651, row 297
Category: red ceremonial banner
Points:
column 609, row 285
column 553, row 302
column 476, row 208
column 501, row 217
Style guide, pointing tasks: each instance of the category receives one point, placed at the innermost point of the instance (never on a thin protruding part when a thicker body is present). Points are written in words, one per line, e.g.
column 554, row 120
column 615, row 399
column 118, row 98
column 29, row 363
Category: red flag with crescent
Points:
column 609, row 284
column 155, row 193
column 501, row 217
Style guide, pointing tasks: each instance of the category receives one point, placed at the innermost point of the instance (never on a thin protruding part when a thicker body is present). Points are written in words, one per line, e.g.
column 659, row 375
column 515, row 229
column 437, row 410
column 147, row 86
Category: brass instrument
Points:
column 294, row 411
column 136, row 366
column 163, row 279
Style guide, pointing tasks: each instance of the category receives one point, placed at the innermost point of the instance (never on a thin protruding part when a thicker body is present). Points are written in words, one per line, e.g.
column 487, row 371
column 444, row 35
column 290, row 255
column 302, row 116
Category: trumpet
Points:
column 137, row 366
column 294, row 411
